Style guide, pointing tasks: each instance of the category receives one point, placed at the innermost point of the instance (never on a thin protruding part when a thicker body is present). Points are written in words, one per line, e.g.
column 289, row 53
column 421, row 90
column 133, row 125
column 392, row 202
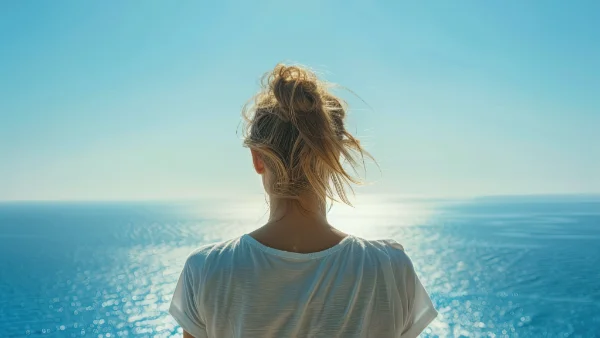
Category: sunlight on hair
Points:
column 297, row 127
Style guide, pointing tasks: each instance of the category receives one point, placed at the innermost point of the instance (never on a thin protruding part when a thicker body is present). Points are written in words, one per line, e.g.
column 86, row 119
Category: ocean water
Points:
column 495, row 267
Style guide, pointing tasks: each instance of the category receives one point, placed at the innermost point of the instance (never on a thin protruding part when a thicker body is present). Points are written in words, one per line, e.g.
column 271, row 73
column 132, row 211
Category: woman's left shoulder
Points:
column 212, row 251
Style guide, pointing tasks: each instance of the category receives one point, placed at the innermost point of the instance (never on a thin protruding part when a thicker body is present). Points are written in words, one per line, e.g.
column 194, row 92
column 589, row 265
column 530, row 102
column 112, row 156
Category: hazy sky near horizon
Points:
column 137, row 100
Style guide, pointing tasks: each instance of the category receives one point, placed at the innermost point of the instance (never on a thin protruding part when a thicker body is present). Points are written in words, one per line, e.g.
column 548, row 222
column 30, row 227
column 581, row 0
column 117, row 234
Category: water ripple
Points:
column 493, row 269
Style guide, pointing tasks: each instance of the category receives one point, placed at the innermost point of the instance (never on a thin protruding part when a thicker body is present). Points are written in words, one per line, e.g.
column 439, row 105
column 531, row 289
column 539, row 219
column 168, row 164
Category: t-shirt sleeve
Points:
column 417, row 309
column 420, row 308
column 185, row 306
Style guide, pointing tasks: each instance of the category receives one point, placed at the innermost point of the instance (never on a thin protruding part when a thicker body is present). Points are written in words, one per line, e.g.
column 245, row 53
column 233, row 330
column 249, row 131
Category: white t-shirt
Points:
column 358, row 288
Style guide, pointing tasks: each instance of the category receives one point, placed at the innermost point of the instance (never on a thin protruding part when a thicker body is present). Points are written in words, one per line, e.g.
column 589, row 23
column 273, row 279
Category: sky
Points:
column 119, row 100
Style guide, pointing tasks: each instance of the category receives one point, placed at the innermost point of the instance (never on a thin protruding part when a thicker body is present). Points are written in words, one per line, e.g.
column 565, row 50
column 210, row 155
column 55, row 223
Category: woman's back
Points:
column 298, row 276
column 357, row 288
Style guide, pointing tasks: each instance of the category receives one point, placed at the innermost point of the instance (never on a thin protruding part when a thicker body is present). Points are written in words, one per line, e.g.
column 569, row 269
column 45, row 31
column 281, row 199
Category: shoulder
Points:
column 385, row 246
column 389, row 249
column 203, row 255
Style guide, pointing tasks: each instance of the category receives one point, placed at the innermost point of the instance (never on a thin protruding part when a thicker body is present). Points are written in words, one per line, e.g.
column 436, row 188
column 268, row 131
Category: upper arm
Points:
column 421, row 311
column 185, row 305
column 417, row 309
column 187, row 334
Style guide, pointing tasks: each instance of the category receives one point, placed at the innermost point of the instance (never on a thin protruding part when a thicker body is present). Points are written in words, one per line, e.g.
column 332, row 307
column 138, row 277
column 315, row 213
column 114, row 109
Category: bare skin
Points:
column 290, row 228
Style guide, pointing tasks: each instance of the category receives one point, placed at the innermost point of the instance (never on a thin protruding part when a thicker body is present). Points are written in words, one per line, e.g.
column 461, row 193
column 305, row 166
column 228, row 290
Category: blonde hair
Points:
column 297, row 127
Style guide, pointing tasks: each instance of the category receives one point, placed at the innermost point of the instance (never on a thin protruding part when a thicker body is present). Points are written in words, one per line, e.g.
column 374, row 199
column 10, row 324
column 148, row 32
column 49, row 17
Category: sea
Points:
column 521, row 266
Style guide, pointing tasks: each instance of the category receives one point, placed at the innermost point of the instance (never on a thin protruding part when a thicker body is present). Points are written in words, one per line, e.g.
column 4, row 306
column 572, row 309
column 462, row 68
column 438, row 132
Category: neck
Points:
column 308, row 209
column 298, row 226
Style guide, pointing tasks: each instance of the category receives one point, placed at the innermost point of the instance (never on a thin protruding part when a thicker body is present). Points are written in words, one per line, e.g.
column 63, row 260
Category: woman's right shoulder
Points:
column 389, row 249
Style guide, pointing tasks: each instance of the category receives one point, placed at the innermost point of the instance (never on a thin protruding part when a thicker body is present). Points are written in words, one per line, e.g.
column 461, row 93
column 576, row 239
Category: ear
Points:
column 259, row 164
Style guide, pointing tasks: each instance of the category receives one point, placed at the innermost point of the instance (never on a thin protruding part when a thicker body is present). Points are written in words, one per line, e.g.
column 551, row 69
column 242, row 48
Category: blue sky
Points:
column 138, row 100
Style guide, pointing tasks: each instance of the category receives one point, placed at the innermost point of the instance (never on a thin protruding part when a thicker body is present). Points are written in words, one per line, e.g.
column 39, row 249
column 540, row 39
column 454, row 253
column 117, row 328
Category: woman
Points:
column 298, row 276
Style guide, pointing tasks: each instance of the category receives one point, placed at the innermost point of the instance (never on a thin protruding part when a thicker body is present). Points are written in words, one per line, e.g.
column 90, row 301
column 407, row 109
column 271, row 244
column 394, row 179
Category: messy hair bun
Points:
column 295, row 89
column 297, row 127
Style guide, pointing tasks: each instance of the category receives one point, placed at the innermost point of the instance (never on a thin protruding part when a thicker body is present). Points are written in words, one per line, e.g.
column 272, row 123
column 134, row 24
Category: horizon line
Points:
column 243, row 197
